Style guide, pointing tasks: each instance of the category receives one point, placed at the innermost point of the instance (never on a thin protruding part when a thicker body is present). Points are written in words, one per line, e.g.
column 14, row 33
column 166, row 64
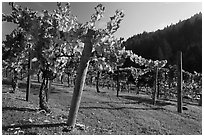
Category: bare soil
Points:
column 100, row 113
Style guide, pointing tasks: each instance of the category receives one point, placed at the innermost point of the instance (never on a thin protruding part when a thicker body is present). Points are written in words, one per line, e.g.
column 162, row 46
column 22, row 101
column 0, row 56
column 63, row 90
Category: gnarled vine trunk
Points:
column 49, row 90
column 43, row 96
column 14, row 81
column 48, row 77
column 6, row 74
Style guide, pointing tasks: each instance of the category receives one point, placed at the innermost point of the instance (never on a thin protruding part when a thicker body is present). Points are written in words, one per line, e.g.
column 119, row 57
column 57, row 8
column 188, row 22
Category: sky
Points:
column 139, row 16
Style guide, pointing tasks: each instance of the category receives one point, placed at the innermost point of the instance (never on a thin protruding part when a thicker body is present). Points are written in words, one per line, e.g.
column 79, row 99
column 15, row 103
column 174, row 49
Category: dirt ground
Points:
column 99, row 114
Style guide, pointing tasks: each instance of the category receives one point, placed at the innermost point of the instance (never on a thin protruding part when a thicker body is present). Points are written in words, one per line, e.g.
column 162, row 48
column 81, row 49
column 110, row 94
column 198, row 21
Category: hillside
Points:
column 185, row 36
column 99, row 113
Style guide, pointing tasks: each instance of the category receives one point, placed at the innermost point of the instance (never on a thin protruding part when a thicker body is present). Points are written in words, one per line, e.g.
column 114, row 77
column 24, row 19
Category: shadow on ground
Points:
column 25, row 126
column 140, row 99
column 121, row 108
column 19, row 109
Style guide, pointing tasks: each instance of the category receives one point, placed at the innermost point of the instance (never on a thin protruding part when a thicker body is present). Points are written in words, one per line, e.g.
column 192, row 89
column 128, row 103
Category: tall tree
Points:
column 185, row 36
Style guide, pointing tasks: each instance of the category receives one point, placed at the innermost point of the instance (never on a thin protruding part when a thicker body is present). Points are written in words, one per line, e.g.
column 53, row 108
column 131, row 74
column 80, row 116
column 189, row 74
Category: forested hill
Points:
column 163, row 44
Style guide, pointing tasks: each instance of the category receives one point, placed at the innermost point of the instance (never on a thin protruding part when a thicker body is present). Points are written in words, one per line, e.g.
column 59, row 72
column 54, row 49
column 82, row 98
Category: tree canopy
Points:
column 185, row 36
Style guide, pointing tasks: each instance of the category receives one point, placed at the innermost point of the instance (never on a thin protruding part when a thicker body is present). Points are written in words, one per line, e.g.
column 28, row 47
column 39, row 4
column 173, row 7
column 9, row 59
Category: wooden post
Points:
column 68, row 79
column 38, row 75
column 61, row 78
column 118, row 82
column 156, row 88
column 158, row 85
column 200, row 100
column 113, row 85
column 28, row 78
column 91, row 80
column 128, row 86
column 179, row 82
column 97, row 82
column 6, row 72
column 21, row 74
column 80, row 79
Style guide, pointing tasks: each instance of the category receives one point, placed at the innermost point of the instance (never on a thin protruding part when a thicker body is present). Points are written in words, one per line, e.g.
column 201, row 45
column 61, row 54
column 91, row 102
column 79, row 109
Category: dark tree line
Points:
column 185, row 36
